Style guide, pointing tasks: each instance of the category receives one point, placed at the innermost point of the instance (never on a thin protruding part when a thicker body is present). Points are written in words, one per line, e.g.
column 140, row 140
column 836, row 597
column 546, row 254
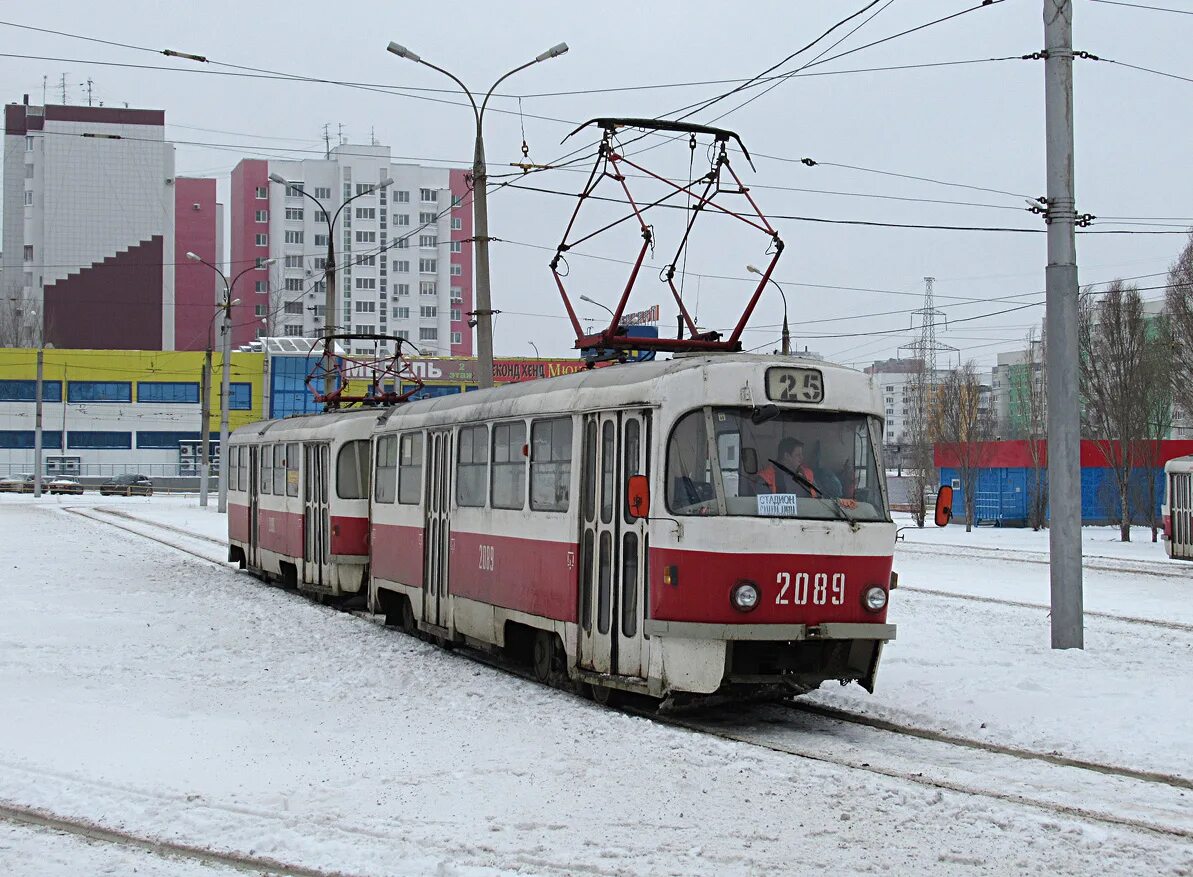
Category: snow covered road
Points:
column 151, row 691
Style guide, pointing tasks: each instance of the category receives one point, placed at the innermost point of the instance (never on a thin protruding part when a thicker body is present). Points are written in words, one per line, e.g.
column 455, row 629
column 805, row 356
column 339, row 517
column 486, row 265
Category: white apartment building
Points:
column 403, row 252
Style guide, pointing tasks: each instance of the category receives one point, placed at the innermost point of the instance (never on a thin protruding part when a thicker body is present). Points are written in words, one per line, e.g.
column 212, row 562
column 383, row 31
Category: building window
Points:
column 260, row 310
column 322, row 192
column 263, row 239
column 456, row 247
column 371, row 261
column 366, row 237
column 28, row 171
column 366, row 212
column 26, row 391
column 294, row 237
column 294, row 284
column 28, row 253
column 366, row 283
column 262, row 216
column 293, row 262
column 457, row 270
column 99, row 391
column 402, row 197
column 262, row 193
column 457, row 224
column 365, row 329
column 402, row 266
column 457, row 295
column 428, row 287
column 294, row 213
column 472, row 465
column 294, row 190
column 457, row 337
column 318, row 310
column 509, row 466
column 99, row 440
column 401, row 219
column 292, row 307
column 24, row 439
column 428, row 240
column 240, row 397
column 428, row 334
column 456, row 315
column 364, row 188
column 320, row 216
column 550, row 464
column 428, row 218
column 401, row 313
column 28, row 199
column 401, row 289
column 403, row 334
column 426, row 311
column 402, row 243
column 428, row 196
column 28, row 144
column 321, row 240
column 292, row 331
column 366, row 307
column 428, row 266
column 167, row 391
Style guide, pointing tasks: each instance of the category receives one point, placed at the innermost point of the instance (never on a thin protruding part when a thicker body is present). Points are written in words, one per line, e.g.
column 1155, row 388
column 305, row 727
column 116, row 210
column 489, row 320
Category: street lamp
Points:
column 593, row 301
column 329, row 268
column 225, row 308
column 480, row 205
column 753, row 269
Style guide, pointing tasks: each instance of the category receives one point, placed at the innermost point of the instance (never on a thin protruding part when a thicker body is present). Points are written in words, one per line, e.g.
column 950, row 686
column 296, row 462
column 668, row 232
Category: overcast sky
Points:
column 978, row 124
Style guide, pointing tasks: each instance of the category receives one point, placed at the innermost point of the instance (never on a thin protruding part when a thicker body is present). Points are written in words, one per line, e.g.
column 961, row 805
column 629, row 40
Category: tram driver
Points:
column 791, row 475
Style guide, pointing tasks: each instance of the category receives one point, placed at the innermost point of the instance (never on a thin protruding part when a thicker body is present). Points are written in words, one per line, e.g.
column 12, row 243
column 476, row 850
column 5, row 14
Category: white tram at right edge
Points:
column 705, row 524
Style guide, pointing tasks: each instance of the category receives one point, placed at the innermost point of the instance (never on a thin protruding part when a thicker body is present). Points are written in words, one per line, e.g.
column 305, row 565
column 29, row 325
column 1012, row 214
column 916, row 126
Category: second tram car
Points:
column 1177, row 510
column 709, row 523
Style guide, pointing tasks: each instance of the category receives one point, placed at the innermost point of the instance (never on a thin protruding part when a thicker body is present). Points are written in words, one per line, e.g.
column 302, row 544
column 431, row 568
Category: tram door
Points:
column 254, row 489
column 612, row 546
column 437, row 528
column 316, row 522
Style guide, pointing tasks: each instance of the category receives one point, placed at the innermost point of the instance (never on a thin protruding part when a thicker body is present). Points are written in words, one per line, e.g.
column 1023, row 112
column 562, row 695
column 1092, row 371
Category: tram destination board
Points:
column 794, row 385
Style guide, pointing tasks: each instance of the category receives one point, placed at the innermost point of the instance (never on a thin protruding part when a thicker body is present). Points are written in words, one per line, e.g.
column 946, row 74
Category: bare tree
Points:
column 1158, row 399
column 1033, row 401
column 19, row 326
column 1179, row 310
column 1118, row 385
column 965, row 427
column 917, row 446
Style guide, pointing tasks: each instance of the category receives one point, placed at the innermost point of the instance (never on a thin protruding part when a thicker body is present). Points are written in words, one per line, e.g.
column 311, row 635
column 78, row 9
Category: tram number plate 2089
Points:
column 794, row 385
column 816, row 589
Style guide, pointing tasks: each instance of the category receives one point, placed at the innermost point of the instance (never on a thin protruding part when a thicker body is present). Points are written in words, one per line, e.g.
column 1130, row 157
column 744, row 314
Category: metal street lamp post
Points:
column 753, row 269
column 593, row 301
column 329, row 268
column 225, row 308
column 480, row 205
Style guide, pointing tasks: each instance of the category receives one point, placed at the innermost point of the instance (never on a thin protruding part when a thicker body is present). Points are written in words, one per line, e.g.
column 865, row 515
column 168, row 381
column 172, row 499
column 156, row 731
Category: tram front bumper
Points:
column 772, row 632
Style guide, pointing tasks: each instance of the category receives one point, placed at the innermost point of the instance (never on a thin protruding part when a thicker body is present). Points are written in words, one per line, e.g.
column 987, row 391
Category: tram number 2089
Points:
column 803, row 589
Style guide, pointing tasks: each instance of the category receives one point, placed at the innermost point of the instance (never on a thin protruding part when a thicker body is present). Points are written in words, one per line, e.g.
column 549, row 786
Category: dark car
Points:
column 127, row 485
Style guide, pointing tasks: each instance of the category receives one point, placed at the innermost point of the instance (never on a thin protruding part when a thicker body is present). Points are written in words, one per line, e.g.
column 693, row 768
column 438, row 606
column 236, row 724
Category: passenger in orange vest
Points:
column 791, row 457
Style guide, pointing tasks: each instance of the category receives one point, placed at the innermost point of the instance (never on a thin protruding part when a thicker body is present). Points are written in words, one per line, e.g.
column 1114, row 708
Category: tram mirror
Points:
column 763, row 413
column 944, row 506
column 638, row 496
column 749, row 461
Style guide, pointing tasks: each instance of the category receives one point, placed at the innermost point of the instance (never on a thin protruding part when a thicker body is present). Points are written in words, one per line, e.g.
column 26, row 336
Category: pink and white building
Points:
column 96, row 227
column 403, row 253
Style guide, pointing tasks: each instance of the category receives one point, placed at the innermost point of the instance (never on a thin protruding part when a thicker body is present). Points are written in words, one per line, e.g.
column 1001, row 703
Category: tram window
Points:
column 550, row 464
column 291, row 470
column 604, row 581
column 472, row 467
column 385, row 483
column 410, row 468
column 608, row 470
column 632, row 451
column 242, row 477
column 586, row 580
column 588, row 489
column 509, row 466
column 629, row 583
column 267, row 468
column 233, row 454
column 352, row 470
column 279, row 470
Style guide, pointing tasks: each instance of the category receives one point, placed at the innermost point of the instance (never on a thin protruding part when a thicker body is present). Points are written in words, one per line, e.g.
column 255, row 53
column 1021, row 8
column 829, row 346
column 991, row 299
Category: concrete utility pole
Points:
column 483, row 313
column 205, row 427
column 1064, row 427
column 37, row 462
column 225, row 402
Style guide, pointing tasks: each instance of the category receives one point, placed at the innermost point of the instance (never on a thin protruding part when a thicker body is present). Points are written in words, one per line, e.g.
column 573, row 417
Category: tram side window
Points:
column 352, row 470
column 242, row 467
column 279, row 470
column 472, row 467
column 410, row 468
column 233, row 454
column 386, row 483
column 292, row 470
column 509, row 465
column 267, row 468
column 550, row 464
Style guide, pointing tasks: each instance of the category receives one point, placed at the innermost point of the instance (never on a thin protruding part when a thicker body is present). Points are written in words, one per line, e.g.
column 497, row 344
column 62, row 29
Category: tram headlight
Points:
column 744, row 596
column 874, row 598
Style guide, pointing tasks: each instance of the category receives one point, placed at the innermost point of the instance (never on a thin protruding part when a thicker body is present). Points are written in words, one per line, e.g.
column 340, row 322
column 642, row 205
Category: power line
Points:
column 1144, row 6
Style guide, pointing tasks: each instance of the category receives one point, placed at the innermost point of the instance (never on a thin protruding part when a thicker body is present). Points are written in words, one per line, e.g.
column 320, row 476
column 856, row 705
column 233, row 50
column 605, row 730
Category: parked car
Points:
column 64, row 485
column 127, row 485
column 22, row 483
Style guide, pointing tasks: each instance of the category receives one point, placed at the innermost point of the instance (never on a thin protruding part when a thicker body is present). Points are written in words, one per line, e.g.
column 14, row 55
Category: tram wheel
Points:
column 543, row 659
column 604, row 695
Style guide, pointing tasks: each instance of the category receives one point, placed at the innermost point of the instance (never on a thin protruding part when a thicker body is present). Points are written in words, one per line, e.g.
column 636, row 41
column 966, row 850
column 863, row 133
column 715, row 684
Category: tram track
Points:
column 1014, row 555
column 1046, row 781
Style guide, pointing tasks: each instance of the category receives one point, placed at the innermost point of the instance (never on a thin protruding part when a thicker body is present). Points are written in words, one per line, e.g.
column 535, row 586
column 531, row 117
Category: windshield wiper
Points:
column 807, row 482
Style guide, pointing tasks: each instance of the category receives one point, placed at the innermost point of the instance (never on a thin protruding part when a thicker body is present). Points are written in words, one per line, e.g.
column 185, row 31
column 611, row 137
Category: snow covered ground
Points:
column 178, row 699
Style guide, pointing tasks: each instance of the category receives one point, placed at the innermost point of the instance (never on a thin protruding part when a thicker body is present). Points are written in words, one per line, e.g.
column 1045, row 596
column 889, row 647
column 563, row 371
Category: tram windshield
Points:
column 772, row 462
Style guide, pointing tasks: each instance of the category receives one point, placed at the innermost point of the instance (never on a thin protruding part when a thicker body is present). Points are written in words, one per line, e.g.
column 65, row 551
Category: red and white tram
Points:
column 298, row 500
column 1177, row 510
column 681, row 527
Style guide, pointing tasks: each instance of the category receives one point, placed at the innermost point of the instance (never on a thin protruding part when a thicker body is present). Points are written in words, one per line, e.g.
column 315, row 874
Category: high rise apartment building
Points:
column 96, row 227
column 403, row 252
